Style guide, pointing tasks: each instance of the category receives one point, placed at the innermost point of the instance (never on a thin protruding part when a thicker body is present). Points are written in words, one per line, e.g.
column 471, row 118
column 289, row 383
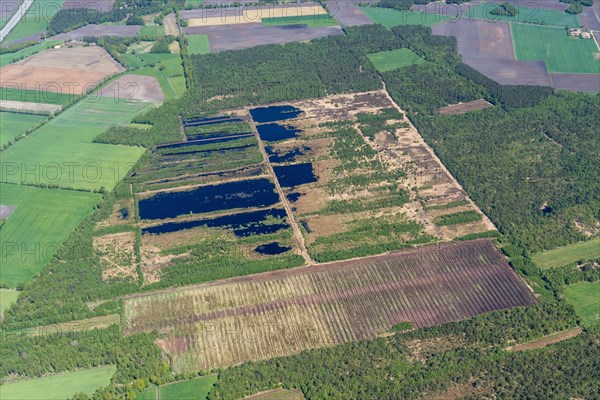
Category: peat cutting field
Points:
column 284, row 312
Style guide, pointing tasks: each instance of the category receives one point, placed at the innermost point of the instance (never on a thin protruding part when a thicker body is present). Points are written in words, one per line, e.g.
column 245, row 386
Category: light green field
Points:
column 15, row 124
column 390, row 18
column 585, row 299
column 153, row 31
column 568, row 254
column 149, row 394
column 7, row 297
column 34, row 96
column 59, row 387
column 198, row 44
column 61, row 152
column 195, row 389
column 526, row 15
column 390, row 60
column 9, row 58
column 35, row 20
column 560, row 52
column 171, row 89
column 42, row 220
column 311, row 21
column 193, row 3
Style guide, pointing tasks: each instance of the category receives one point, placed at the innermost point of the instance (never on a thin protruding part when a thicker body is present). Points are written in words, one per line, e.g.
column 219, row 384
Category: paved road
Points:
column 14, row 20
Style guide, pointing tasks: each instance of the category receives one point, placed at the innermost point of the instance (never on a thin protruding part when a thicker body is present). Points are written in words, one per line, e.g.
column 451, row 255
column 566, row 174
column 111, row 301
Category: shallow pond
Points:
column 294, row 175
column 276, row 132
column 226, row 196
column 272, row 249
column 274, row 113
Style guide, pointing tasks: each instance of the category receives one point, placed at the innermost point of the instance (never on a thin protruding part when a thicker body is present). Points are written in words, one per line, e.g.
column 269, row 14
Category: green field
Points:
column 195, row 389
column 35, row 20
column 390, row 60
column 166, row 68
column 560, row 52
column 568, row 254
column 61, row 152
column 193, row 3
column 15, row 124
column 42, row 220
column 390, row 18
column 9, row 58
column 526, row 15
column 59, row 387
column 34, row 96
column 149, row 394
column 585, row 299
column 312, row 21
column 7, row 297
column 153, row 31
column 198, row 44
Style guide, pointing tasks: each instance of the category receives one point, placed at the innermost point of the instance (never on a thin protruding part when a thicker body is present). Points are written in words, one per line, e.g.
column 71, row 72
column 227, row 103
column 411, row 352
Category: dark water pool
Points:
column 294, row 175
column 275, row 132
column 272, row 248
column 293, row 197
column 274, row 113
column 242, row 224
column 226, row 196
column 209, row 121
column 290, row 156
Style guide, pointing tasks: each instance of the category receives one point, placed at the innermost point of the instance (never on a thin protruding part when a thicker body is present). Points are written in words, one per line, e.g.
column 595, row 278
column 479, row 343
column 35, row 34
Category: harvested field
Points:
column 347, row 14
column 170, row 23
column 80, row 69
column 243, row 36
column 37, row 108
column 589, row 19
column 98, row 31
column 547, row 340
column 510, row 72
column 462, row 108
column 134, row 88
column 279, row 313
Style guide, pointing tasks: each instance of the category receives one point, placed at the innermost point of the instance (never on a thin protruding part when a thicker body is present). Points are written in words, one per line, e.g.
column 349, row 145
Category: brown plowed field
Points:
column 283, row 312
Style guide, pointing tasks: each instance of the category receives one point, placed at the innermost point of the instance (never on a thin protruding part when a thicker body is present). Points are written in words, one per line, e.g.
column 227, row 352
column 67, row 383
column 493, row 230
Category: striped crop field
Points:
column 284, row 312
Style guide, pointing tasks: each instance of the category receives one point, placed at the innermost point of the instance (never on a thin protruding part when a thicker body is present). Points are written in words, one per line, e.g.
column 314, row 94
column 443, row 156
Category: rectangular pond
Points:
column 274, row 113
column 277, row 132
column 290, row 176
column 204, row 199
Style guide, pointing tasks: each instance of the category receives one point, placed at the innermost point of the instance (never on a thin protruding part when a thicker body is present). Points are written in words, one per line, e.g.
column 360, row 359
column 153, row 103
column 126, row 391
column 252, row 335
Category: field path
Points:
column 284, row 200
column 15, row 19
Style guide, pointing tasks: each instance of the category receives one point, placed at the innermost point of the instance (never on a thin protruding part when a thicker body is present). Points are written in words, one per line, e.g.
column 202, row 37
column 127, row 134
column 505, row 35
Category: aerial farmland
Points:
column 299, row 200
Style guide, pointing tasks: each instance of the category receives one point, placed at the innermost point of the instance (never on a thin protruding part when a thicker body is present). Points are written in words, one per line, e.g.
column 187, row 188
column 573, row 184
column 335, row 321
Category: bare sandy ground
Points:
column 134, row 88
column 347, row 14
column 98, row 31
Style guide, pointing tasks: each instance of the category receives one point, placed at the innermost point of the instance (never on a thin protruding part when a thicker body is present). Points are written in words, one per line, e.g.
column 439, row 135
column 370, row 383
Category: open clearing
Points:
column 7, row 297
column 585, row 299
column 277, row 394
column 546, row 340
column 59, row 387
column 194, row 389
column 198, row 44
column 15, row 124
column 394, row 59
column 61, row 152
column 568, row 254
column 42, row 220
column 283, row 312
column 561, row 53
column 74, row 326
column 462, row 108
column 65, row 70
